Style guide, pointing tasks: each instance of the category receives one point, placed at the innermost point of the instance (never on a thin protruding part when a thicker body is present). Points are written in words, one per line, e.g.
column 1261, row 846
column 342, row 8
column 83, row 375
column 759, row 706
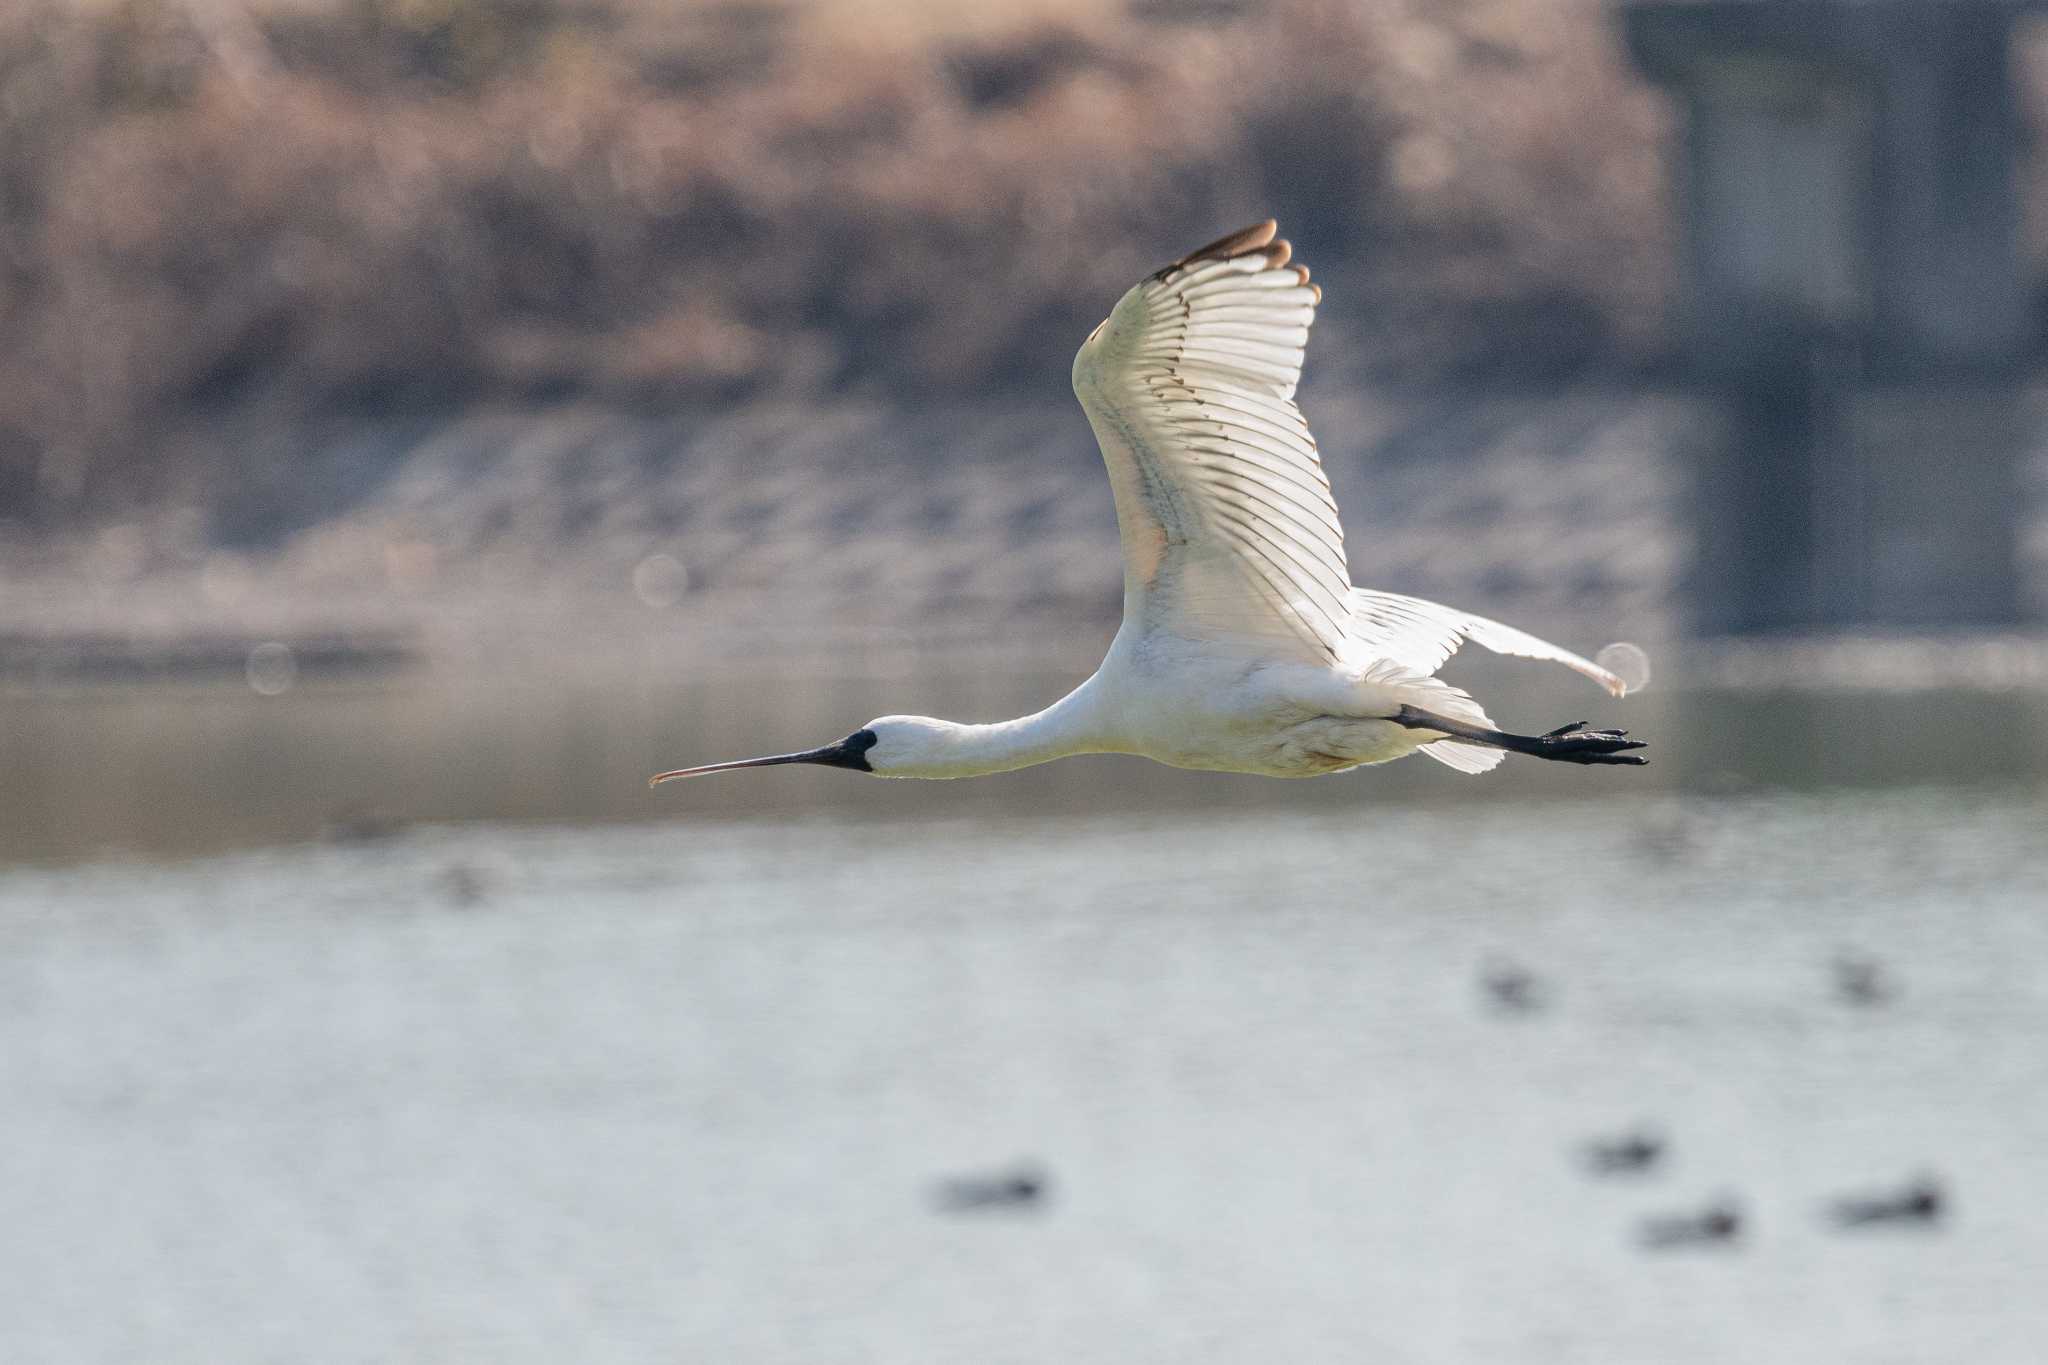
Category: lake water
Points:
column 521, row 1082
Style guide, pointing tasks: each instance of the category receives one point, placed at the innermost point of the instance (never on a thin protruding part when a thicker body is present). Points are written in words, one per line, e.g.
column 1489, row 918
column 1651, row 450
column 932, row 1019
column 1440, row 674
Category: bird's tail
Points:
column 1455, row 703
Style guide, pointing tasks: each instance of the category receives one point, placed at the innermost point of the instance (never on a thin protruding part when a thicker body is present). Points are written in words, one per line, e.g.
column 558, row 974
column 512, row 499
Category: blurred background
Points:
column 422, row 419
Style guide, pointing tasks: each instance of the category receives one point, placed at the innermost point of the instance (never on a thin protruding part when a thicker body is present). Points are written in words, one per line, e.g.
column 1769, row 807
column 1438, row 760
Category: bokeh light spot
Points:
column 272, row 669
column 1628, row 662
column 660, row 580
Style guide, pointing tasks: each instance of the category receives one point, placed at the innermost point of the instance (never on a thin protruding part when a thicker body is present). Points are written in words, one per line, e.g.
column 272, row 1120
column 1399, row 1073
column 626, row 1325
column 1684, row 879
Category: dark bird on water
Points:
column 362, row 825
column 1921, row 1203
column 1720, row 1223
column 1023, row 1188
column 463, row 885
column 1861, row 981
column 1630, row 1154
column 1512, row 988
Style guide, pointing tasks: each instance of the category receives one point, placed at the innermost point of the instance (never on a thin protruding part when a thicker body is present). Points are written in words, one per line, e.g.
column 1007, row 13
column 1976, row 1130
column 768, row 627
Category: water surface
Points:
column 154, row 772
column 401, row 1022
column 684, row 1091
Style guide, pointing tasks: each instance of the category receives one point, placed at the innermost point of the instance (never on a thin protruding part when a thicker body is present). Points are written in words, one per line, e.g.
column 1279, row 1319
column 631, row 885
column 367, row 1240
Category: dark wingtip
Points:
column 1236, row 244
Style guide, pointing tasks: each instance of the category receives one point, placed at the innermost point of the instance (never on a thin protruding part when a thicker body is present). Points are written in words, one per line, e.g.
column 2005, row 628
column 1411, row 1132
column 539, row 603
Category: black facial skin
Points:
column 851, row 752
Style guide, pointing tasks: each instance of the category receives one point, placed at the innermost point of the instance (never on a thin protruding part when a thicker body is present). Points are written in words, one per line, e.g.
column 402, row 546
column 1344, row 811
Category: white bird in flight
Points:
column 1244, row 647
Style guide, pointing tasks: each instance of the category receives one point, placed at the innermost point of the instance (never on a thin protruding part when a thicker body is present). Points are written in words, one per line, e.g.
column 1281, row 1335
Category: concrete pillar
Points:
column 1853, row 301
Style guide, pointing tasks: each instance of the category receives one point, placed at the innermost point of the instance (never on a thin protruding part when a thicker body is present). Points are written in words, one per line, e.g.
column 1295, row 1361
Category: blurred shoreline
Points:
column 852, row 527
column 845, row 534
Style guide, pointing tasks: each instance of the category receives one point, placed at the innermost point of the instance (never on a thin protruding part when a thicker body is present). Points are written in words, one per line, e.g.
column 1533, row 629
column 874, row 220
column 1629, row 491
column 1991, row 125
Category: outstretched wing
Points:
column 1420, row 636
column 1229, row 530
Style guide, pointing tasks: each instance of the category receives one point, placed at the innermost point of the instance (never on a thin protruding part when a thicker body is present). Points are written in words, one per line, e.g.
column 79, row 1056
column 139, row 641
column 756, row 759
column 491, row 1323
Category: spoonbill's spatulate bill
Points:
column 1244, row 647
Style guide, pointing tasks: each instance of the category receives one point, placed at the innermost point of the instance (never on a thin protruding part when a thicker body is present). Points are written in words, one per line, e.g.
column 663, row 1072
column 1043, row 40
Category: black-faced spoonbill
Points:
column 1244, row 647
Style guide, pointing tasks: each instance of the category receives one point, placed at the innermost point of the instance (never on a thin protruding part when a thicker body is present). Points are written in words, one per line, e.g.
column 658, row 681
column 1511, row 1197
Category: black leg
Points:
column 1572, row 743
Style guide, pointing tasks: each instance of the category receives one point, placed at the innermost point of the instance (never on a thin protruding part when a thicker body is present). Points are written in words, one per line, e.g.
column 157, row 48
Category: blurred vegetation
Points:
column 305, row 207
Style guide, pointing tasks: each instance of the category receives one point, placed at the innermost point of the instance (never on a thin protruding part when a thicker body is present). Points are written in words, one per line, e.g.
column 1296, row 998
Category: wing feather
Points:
column 1421, row 636
column 1306, row 517
column 1228, row 524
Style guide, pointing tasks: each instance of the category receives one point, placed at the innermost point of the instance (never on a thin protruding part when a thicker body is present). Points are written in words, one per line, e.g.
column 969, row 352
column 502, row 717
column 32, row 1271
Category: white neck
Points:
column 944, row 748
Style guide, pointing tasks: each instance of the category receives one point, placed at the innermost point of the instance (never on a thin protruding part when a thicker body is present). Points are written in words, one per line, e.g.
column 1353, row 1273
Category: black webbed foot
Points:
column 1574, row 743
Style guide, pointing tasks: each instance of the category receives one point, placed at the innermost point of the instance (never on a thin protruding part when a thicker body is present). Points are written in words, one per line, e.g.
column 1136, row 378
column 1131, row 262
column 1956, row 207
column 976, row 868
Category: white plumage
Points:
column 1244, row 646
